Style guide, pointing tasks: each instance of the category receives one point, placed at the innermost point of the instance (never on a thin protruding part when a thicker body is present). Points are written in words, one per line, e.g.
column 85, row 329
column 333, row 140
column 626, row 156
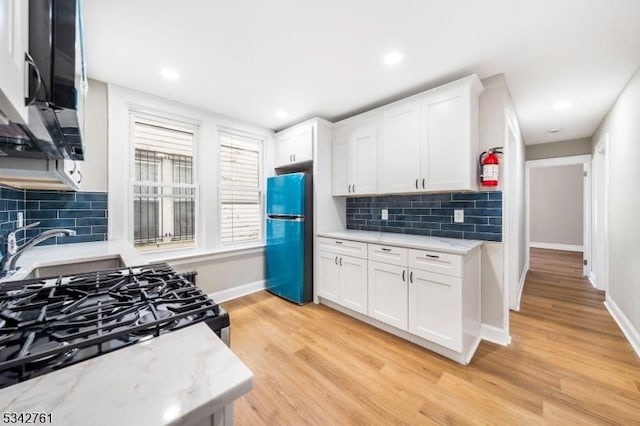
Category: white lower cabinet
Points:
column 428, row 297
column 388, row 294
column 435, row 308
column 343, row 279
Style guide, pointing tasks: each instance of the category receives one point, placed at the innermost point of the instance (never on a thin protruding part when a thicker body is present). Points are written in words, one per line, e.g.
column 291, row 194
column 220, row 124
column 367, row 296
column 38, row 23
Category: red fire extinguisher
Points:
column 490, row 166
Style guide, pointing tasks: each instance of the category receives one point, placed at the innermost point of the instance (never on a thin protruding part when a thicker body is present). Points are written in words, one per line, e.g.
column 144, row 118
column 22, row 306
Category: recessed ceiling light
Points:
column 393, row 58
column 281, row 114
column 562, row 104
column 552, row 131
column 170, row 74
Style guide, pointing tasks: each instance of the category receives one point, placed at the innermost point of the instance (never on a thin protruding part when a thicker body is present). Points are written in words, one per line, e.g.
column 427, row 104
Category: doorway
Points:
column 558, row 192
column 599, row 273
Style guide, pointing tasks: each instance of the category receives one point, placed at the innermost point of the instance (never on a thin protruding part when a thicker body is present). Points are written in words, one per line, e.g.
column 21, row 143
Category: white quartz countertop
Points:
column 41, row 256
column 441, row 244
column 177, row 378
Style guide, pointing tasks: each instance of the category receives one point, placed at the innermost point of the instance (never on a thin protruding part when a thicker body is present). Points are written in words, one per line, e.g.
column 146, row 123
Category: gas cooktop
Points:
column 51, row 323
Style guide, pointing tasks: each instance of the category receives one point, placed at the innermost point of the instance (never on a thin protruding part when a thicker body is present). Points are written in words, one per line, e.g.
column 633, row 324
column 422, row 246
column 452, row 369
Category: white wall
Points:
column 95, row 166
column 622, row 124
column 556, row 205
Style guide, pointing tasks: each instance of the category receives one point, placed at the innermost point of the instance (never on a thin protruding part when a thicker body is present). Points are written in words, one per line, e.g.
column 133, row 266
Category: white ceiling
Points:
column 249, row 58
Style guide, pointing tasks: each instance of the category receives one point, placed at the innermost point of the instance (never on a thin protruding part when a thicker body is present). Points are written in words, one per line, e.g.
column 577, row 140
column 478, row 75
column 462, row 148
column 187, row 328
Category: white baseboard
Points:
column 494, row 334
column 238, row 291
column 557, row 246
column 523, row 278
column 629, row 331
column 592, row 279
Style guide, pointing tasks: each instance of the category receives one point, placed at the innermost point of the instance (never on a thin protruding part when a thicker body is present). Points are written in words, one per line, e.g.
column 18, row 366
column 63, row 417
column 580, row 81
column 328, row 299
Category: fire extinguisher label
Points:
column 490, row 172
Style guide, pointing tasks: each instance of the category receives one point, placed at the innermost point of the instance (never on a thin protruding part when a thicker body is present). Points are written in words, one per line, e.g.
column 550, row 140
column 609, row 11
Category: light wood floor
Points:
column 568, row 364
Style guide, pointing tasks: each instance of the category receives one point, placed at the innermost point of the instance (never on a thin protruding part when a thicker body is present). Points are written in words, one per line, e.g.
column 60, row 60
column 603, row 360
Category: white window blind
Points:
column 240, row 188
column 164, row 193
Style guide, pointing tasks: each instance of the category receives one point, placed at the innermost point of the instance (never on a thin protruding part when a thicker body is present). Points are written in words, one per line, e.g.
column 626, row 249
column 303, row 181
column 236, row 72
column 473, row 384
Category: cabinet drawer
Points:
column 388, row 254
column 433, row 261
column 345, row 247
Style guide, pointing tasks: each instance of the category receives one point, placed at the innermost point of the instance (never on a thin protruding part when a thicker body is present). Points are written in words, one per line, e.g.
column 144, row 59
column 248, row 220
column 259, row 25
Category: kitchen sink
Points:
column 77, row 267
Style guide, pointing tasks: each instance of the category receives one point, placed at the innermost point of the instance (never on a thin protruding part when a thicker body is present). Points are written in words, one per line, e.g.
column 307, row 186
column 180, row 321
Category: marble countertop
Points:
column 177, row 378
column 441, row 244
column 41, row 256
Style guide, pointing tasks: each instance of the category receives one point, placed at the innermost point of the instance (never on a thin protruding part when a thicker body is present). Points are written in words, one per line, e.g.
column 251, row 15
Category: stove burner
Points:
column 50, row 323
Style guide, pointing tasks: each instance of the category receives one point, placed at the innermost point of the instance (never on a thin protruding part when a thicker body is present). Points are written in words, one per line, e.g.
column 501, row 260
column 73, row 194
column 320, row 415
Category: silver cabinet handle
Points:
column 294, row 158
column 411, row 277
column 404, row 274
column 417, row 180
column 291, row 158
column 354, row 188
column 336, row 260
column 432, row 256
column 423, row 183
column 385, row 249
column 340, row 261
column 338, row 242
column 349, row 188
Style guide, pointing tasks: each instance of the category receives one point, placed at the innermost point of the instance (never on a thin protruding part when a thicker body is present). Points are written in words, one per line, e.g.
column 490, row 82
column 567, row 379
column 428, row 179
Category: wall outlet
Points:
column 458, row 216
column 20, row 220
column 385, row 214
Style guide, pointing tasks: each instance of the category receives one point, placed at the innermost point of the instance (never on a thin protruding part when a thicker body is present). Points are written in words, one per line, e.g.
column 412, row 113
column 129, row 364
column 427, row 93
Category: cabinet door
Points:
column 435, row 311
column 447, row 160
column 340, row 184
column 14, row 29
column 353, row 280
column 400, row 155
column 388, row 294
column 284, row 150
column 363, row 155
column 302, row 145
column 328, row 276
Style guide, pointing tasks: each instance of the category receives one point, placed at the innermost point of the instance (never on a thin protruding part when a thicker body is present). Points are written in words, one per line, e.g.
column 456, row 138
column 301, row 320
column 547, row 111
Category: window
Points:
column 164, row 193
column 240, row 188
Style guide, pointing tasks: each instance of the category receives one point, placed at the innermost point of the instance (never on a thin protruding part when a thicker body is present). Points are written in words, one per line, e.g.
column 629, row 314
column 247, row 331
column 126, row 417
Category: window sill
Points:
column 191, row 255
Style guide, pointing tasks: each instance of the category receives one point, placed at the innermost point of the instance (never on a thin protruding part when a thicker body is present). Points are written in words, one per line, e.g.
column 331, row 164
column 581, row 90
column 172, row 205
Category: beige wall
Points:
column 559, row 149
column 556, row 205
column 622, row 124
column 94, row 124
column 226, row 271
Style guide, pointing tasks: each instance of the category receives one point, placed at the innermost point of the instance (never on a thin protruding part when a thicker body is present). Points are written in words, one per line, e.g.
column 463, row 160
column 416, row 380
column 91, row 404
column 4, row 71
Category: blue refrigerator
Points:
column 289, row 229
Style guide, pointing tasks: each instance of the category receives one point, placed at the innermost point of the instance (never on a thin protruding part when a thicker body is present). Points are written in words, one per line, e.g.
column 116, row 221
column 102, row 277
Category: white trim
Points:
column 521, row 282
column 629, row 331
column 237, row 291
column 602, row 283
column 585, row 160
column 592, row 279
column 178, row 257
column 557, row 246
column 495, row 335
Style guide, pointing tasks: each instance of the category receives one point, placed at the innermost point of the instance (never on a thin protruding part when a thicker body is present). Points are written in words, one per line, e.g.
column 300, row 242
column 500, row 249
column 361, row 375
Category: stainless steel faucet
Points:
column 13, row 253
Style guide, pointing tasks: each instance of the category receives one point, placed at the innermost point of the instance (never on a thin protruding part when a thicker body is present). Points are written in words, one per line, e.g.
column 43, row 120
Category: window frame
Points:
column 260, row 142
column 175, row 121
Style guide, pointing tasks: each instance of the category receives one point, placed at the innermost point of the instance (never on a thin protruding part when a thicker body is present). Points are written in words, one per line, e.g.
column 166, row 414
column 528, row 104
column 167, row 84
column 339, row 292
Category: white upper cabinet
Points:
column 294, row 145
column 449, row 136
column 400, row 159
column 354, row 156
column 14, row 40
